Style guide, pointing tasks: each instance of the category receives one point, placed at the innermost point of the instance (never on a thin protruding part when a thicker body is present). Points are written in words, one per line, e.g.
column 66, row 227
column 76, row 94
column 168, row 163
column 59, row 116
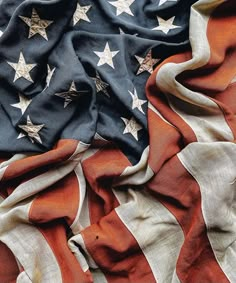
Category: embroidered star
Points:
column 164, row 1
column 165, row 25
column 81, row 14
column 23, row 103
column 100, row 85
column 36, row 25
column 22, row 69
column 123, row 6
column 69, row 95
column 146, row 64
column 131, row 127
column 137, row 103
column 105, row 57
column 49, row 76
column 31, row 130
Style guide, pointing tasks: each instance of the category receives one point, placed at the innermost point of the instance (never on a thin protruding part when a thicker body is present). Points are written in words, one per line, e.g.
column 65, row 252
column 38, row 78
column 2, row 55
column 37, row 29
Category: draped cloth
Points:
column 117, row 141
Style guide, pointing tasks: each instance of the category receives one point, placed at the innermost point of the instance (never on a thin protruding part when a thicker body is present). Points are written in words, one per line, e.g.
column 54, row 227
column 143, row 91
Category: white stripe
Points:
column 90, row 152
column 156, row 230
column 28, row 245
column 23, row 278
column 43, row 181
column 82, row 221
column 85, row 259
column 39, row 183
column 2, row 171
column 5, row 164
column 16, row 157
column 175, row 278
column 213, row 166
column 76, row 226
column 98, row 276
column 138, row 174
column 207, row 125
column 79, row 151
column 202, row 114
column 84, row 218
column 151, row 107
column 100, row 140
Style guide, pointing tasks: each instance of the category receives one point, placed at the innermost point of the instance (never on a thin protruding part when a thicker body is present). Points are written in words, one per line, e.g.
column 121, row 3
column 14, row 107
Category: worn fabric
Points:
column 117, row 141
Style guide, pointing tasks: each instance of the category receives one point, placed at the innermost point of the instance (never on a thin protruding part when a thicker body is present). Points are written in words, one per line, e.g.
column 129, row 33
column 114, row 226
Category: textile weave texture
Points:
column 117, row 141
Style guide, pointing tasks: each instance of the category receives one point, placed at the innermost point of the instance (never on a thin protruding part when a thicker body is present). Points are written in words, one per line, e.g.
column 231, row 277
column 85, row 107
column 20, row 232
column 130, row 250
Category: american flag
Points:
column 117, row 141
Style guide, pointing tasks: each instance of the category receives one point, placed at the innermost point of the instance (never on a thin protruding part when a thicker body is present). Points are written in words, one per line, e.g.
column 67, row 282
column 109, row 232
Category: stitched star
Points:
column 147, row 63
column 23, row 103
column 36, row 25
column 164, row 1
column 69, row 95
column 131, row 127
column 137, row 103
column 80, row 14
column 31, row 130
column 105, row 57
column 165, row 25
column 100, row 85
column 49, row 76
column 22, row 69
column 123, row 6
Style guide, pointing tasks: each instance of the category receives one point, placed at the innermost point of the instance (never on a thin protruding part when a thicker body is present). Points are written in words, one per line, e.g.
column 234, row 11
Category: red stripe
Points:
column 175, row 188
column 100, row 170
column 165, row 141
column 116, row 251
column 8, row 267
column 55, row 235
column 62, row 151
column 215, row 77
column 159, row 101
column 61, row 200
column 222, row 24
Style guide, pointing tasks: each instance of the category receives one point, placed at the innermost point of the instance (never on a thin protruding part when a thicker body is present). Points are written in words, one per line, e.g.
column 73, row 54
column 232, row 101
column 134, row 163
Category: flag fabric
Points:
column 117, row 141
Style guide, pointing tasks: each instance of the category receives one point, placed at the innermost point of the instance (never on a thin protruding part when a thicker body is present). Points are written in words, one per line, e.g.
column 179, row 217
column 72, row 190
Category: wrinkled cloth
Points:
column 117, row 141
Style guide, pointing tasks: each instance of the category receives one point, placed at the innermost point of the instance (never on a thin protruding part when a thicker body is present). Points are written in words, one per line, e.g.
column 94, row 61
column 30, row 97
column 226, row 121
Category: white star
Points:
column 36, row 25
column 80, row 14
column 1, row 33
column 31, row 130
column 100, row 85
column 122, row 6
column 69, row 95
column 22, row 104
column 165, row 25
column 146, row 64
column 106, row 56
column 131, row 127
column 22, row 69
column 49, row 76
column 137, row 103
column 164, row 1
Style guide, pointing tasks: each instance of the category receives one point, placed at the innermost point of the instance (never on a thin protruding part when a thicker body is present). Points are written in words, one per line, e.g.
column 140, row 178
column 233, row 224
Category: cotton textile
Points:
column 117, row 141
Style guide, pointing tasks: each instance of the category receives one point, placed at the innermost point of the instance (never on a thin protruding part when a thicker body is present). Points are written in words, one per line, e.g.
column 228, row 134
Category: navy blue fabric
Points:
column 70, row 50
